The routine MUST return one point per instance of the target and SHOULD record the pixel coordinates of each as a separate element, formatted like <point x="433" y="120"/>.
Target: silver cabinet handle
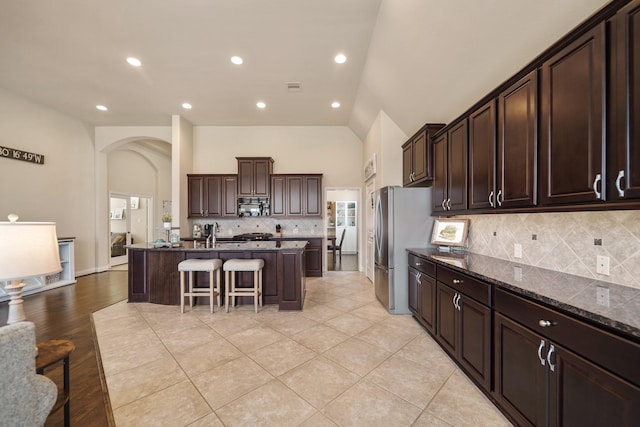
<point x="498" y="199"/>
<point x="454" y="300"/>
<point x="544" y="323"/>
<point x="457" y="281"/>
<point x="443" y="206"/>
<point x="418" y="264"/>
<point x="551" y="365"/>
<point x="595" y="185"/>
<point x="457" y="301"/>
<point x="448" y="204"/>
<point x="618" y="180"/>
<point x="418" y="277"/>
<point x="491" y="199"/>
<point x="540" y="352"/>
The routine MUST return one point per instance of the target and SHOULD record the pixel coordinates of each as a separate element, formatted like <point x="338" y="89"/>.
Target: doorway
<point x="129" y="222"/>
<point x="343" y="228"/>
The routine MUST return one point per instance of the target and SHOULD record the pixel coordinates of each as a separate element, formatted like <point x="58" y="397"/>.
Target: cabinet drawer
<point x="612" y="352"/>
<point x="422" y="265"/>
<point x="469" y="286"/>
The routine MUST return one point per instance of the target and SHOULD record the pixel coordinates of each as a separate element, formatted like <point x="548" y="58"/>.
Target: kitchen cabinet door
<point x="417" y="157"/>
<point x="447" y="318"/>
<point x="440" y="177"/>
<point x="457" y="167"/>
<point x="229" y="196"/>
<point x="213" y="196"/>
<point x="427" y="302"/>
<point x="520" y="385"/>
<point x="516" y="184"/>
<point x="482" y="157"/>
<point x="474" y="348"/>
<point x="407" y="164"/>
<point x="278" y="195"/>
<point x="583" y="394"/>
<point x="294" y="195"/>
<point x="312" y="195"/>
<point x="195" y="185"/>
<point x="413" y="291"/>
<point x="624" y="177"/>
<point x="572" y="122"/>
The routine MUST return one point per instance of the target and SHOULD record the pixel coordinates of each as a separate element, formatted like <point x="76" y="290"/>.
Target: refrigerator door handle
<point x="379" y="226"/>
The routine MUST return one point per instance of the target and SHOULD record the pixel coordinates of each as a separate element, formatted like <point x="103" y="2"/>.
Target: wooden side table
<point x="50" y="352"/>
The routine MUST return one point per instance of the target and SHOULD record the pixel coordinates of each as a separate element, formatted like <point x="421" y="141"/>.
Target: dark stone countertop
<point x="269" y="245"/>
<point x="572" y="294"/>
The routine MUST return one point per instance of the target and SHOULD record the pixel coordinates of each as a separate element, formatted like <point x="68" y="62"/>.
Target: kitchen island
<point x="154" y="276"/>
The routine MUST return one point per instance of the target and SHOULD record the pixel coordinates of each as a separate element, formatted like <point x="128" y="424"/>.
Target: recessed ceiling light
<point x="340" y="58"/>
<point x="261" y="104"/>
<point x="101" y="107"/>
<point x="187" y="106"/>
<point x="134" y="61"/>
<point x="237" y="60"/>
<point x="335" y="104"/>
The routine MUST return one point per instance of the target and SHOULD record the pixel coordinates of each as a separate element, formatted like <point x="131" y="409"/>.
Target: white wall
<point x="61" y="190"/>
<point x="334" y="151"/>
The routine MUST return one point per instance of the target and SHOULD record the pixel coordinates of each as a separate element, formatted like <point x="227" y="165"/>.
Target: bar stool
<point x="193" y="265"/>
<point x="234" y="265"/>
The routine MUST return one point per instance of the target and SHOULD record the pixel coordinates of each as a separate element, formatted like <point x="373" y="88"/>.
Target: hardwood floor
<point x="64" y="313"/>
<point x="348" y="263"/>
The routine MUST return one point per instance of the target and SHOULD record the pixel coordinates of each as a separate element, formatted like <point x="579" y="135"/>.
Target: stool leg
<point x="182" y="292"/>
<point x="256" y="285"/>
<point x="218" y="286"/>
<point x="233" y="289"/>
<point x="226" y="291"/>
<point x="211" y="291"/>
<point x="191" y="289"/>
<point x="260" y="285"/>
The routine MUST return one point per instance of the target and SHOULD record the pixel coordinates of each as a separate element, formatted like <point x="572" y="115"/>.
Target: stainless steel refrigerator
<point x="402" y="219"/>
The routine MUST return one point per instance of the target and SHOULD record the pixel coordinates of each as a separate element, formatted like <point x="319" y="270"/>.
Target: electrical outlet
<point x="602" y="265"/>
<point x="602" y="296"/>
<point x="517" y="273"/>
<point x="517" y="250"/>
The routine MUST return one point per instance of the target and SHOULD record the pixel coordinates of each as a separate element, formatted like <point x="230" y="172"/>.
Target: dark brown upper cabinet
<point x="212" y="196"/>
<point x="482" y="157"/>
<point x="516" y="179"/>
<point x="417" y="152"/>
<point x="624" y="176"/>
<point x="450" y="167"/>
<point x="254" y="176"/>
<point x="296" y="195"/>
<point x="573" y="113"/>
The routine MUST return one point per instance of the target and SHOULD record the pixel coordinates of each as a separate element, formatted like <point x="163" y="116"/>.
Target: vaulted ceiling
<point x="418" y="60"/>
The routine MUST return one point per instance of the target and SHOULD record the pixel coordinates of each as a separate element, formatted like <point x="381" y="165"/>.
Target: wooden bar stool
<point x="193" y="265"/>
<point x="230" y="268"/>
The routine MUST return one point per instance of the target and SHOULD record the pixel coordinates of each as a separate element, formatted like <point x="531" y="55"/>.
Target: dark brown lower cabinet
<point x="422" y="298"/>
<point x="313" y="257"/>
<point x="540" y="382"/>
<point x="463" y="329"/>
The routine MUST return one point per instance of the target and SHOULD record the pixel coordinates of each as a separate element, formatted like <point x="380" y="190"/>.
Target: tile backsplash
<point x="231" y="227"/>
<point x="564" y="242"/>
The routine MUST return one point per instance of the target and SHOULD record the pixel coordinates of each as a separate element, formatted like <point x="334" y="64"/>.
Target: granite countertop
<point x="230" y="246"/>
<point x="572" y="294"/>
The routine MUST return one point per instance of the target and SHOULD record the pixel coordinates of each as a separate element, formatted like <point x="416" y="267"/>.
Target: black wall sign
<point x="12" y="153"/>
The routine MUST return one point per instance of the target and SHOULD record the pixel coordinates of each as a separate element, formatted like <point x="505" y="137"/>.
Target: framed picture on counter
<point x="450" y="232"/>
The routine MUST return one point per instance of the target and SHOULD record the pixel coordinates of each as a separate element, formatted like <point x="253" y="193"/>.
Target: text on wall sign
<point x="12" y="153"/>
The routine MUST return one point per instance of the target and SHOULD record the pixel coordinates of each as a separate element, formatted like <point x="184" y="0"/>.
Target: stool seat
<point x="193" y="265"/>
<point x="230" y="268"/>
<point x="197" y="264"/>
<point x="243" y="265"/>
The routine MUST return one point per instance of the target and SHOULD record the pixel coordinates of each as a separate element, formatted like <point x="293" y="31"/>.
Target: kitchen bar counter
<point x="580" y="296"/>
<point x="154" y="276"/>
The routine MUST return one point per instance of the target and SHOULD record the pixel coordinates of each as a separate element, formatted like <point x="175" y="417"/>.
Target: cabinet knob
<point x="545" y="323"/>
<point x="457" y="281"/>
<point x="418" y="264"/>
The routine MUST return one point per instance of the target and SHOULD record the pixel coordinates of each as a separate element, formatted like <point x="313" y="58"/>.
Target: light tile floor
<point x="342" y="361"/>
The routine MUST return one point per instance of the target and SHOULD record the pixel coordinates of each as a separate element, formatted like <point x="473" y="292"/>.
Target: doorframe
<point x="359" y="241"/>
<point x="113" y="261"/>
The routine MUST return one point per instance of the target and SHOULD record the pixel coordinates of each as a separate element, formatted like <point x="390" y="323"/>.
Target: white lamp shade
<point x="28" y="249"/>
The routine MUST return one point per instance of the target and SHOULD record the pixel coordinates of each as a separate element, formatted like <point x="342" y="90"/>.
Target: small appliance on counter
<point x="208" y="228"/>
<point x="197" y="230"/>
<point x="278" y="230"/>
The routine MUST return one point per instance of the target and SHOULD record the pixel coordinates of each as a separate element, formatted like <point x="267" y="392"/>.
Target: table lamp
<point x="27" y="249"/>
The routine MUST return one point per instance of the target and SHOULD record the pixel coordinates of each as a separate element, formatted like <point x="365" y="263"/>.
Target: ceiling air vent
<point x="294" y="86"/>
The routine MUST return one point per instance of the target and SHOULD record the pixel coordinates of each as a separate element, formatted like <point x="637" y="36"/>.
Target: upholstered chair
<point x="26" y="398"/>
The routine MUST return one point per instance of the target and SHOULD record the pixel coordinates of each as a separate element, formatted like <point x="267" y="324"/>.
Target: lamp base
<point x="16" y="308"/>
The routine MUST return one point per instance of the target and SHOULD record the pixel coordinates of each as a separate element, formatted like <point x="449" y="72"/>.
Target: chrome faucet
<point x="210" y="241"/>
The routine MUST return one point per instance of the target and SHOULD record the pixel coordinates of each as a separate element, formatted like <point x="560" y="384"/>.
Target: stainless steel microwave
<point x="253" y="206"/>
